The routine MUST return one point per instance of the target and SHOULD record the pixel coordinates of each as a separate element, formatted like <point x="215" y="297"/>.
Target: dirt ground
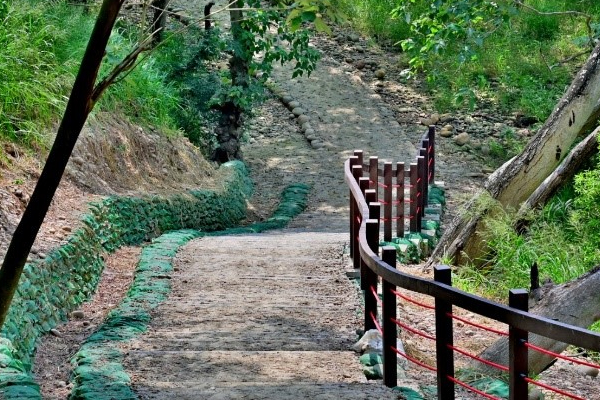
<point x="243" y="347"/>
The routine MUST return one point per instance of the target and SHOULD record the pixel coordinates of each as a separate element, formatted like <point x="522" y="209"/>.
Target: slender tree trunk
<point x="159" y="22"/>
<point x="78" y="108"/>
<point x="576" y="114"/>
<point x="230" y="122"/>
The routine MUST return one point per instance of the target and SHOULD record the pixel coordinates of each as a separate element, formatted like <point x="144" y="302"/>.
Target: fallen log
<point x="575" y="303"/>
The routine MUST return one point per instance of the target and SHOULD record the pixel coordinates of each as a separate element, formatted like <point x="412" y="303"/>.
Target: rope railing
<point x="472" y="389"/>
<point x="552" y="389"/>
<point x="378" y="267"/>
<point x="567" y="358"/>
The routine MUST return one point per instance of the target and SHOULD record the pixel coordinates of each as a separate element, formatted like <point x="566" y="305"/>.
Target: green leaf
<point x="321" y="26"/>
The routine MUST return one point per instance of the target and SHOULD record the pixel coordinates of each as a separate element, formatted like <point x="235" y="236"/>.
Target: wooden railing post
<point x="387" y="202"/>
<point x="414" y="176"/>
<point x="400" y="200"/>
<point x="357" y="171"/>
<point x="431" y="153"/>
<point x="353" y="209"/>
<point x="360" y="155"/>
<point x="425" y="177"/>
<point x="374" y="213"/>
<point x="444" y="337"/>
<point x="421" y="195"/>
<point x="388" y="317"/>
<point x="517" y="351"/>
<point x="369" y="278"/>
<point x="373" y="174"/>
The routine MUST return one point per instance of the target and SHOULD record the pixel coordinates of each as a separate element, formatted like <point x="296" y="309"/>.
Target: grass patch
<point x="43" y="43"/>
<point x="516" y="64"/>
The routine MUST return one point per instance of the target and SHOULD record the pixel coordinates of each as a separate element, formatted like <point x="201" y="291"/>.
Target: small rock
<point x="405" y="109"/>
<point x="405" y="74"/>
<point x="535" y="394"/>
<point x="293" y="104"/>
<point x="317" y="144"/>
<point x="485" y="150"/>
<point x="287" y="99"/>
<point x="305" y="127"/>
<point x="309" y="132"/>
<point x="353" y="37"/>
<point x="462" y="138"/>
<point x="360" y="64"/>
<point x="79" y="314"/>
<point x="446" y="118"/>
<point x="432" y="120"/>
<point x="444" y="132"/>
<point x="310" y="138"/>
<point x="86" y="323"/>
<point x="61" y="384"/>
<point x="66" y="228"/>
<point x="349" y="60"/>
<point x="487" y="170"/>
<point x="303" y="118"/>
<point x="380" y="74"/>
<point x="55" y="332"/>
<point x="588" y="371"/>
<point x="298" y="111"/>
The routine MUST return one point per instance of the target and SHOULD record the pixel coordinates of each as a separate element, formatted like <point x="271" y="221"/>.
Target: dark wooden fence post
<point x="421" y="183"/>
<point x="353" y="209"/>
<point x="431" y="153"/>
<point x="374" y="214"/>
<point x="400" y="200"/>
<point x="444" y="338"/>
<point x="360" y="155"/>
<point x="357" y="171"/>
<point x="387" y="202"/>
<point x="388" y="317"/>
<point x="517" y="351"/>
<point x="369" y="279"/>
<point x="425" y="177"/>
<point x="414" y="176"/>
<point x="373" y="173"/>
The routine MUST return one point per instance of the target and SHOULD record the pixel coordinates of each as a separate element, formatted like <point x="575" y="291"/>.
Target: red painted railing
<point x="379" y="265"/>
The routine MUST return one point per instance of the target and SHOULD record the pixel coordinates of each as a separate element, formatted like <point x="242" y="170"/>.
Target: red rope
<point x="358" y="219"/>
<point x="418" y="179"/>
<point x="415" y="331"/>
<point x="374" y="291"/>
<point x="391" y="219"/>
<point x="491" y="364"/>
<point x="476" y="325"/>
<point x="414" y="360"/>
<point x="555" y="390"/>
<point x="412" y="301"/>
<point x="397" y="186"/>
<point x="471" y="388"/>
<point x="576" y="361"/>
<point x="376" y="323"/>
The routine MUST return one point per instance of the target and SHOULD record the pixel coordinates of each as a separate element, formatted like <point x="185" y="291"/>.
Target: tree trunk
<point x="565" y="171"/>
<point x="228" y="130"/>
<point x="576" y="113"/>
<point x="78" y="108"/>
<point x="575" y="303"/>
<point x="159" y="22"/>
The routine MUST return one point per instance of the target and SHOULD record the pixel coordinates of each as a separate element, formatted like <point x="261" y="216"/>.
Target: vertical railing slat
<point x="388" y="317"/>
<point x="431" y="153"/>
<point x="355" y="223"/>
<point x="373" y="164"/>
<point x="413" y="196"/>
<point x="369" y="278"/>
<point x="425" y="177"/>
<point x="517" y="351"/>
<point x="444" y="337"/>
<point x="387" y="202"/>
<point x="353" y="209"/>
<point x="400" y="200"/>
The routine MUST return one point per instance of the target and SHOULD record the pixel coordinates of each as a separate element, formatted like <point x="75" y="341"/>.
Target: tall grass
<point x="42" y="44"/>
<point x="518" y="67"/>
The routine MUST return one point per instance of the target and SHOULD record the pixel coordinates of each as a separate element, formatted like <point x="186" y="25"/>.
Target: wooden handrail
<point x="517" y="319"/>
